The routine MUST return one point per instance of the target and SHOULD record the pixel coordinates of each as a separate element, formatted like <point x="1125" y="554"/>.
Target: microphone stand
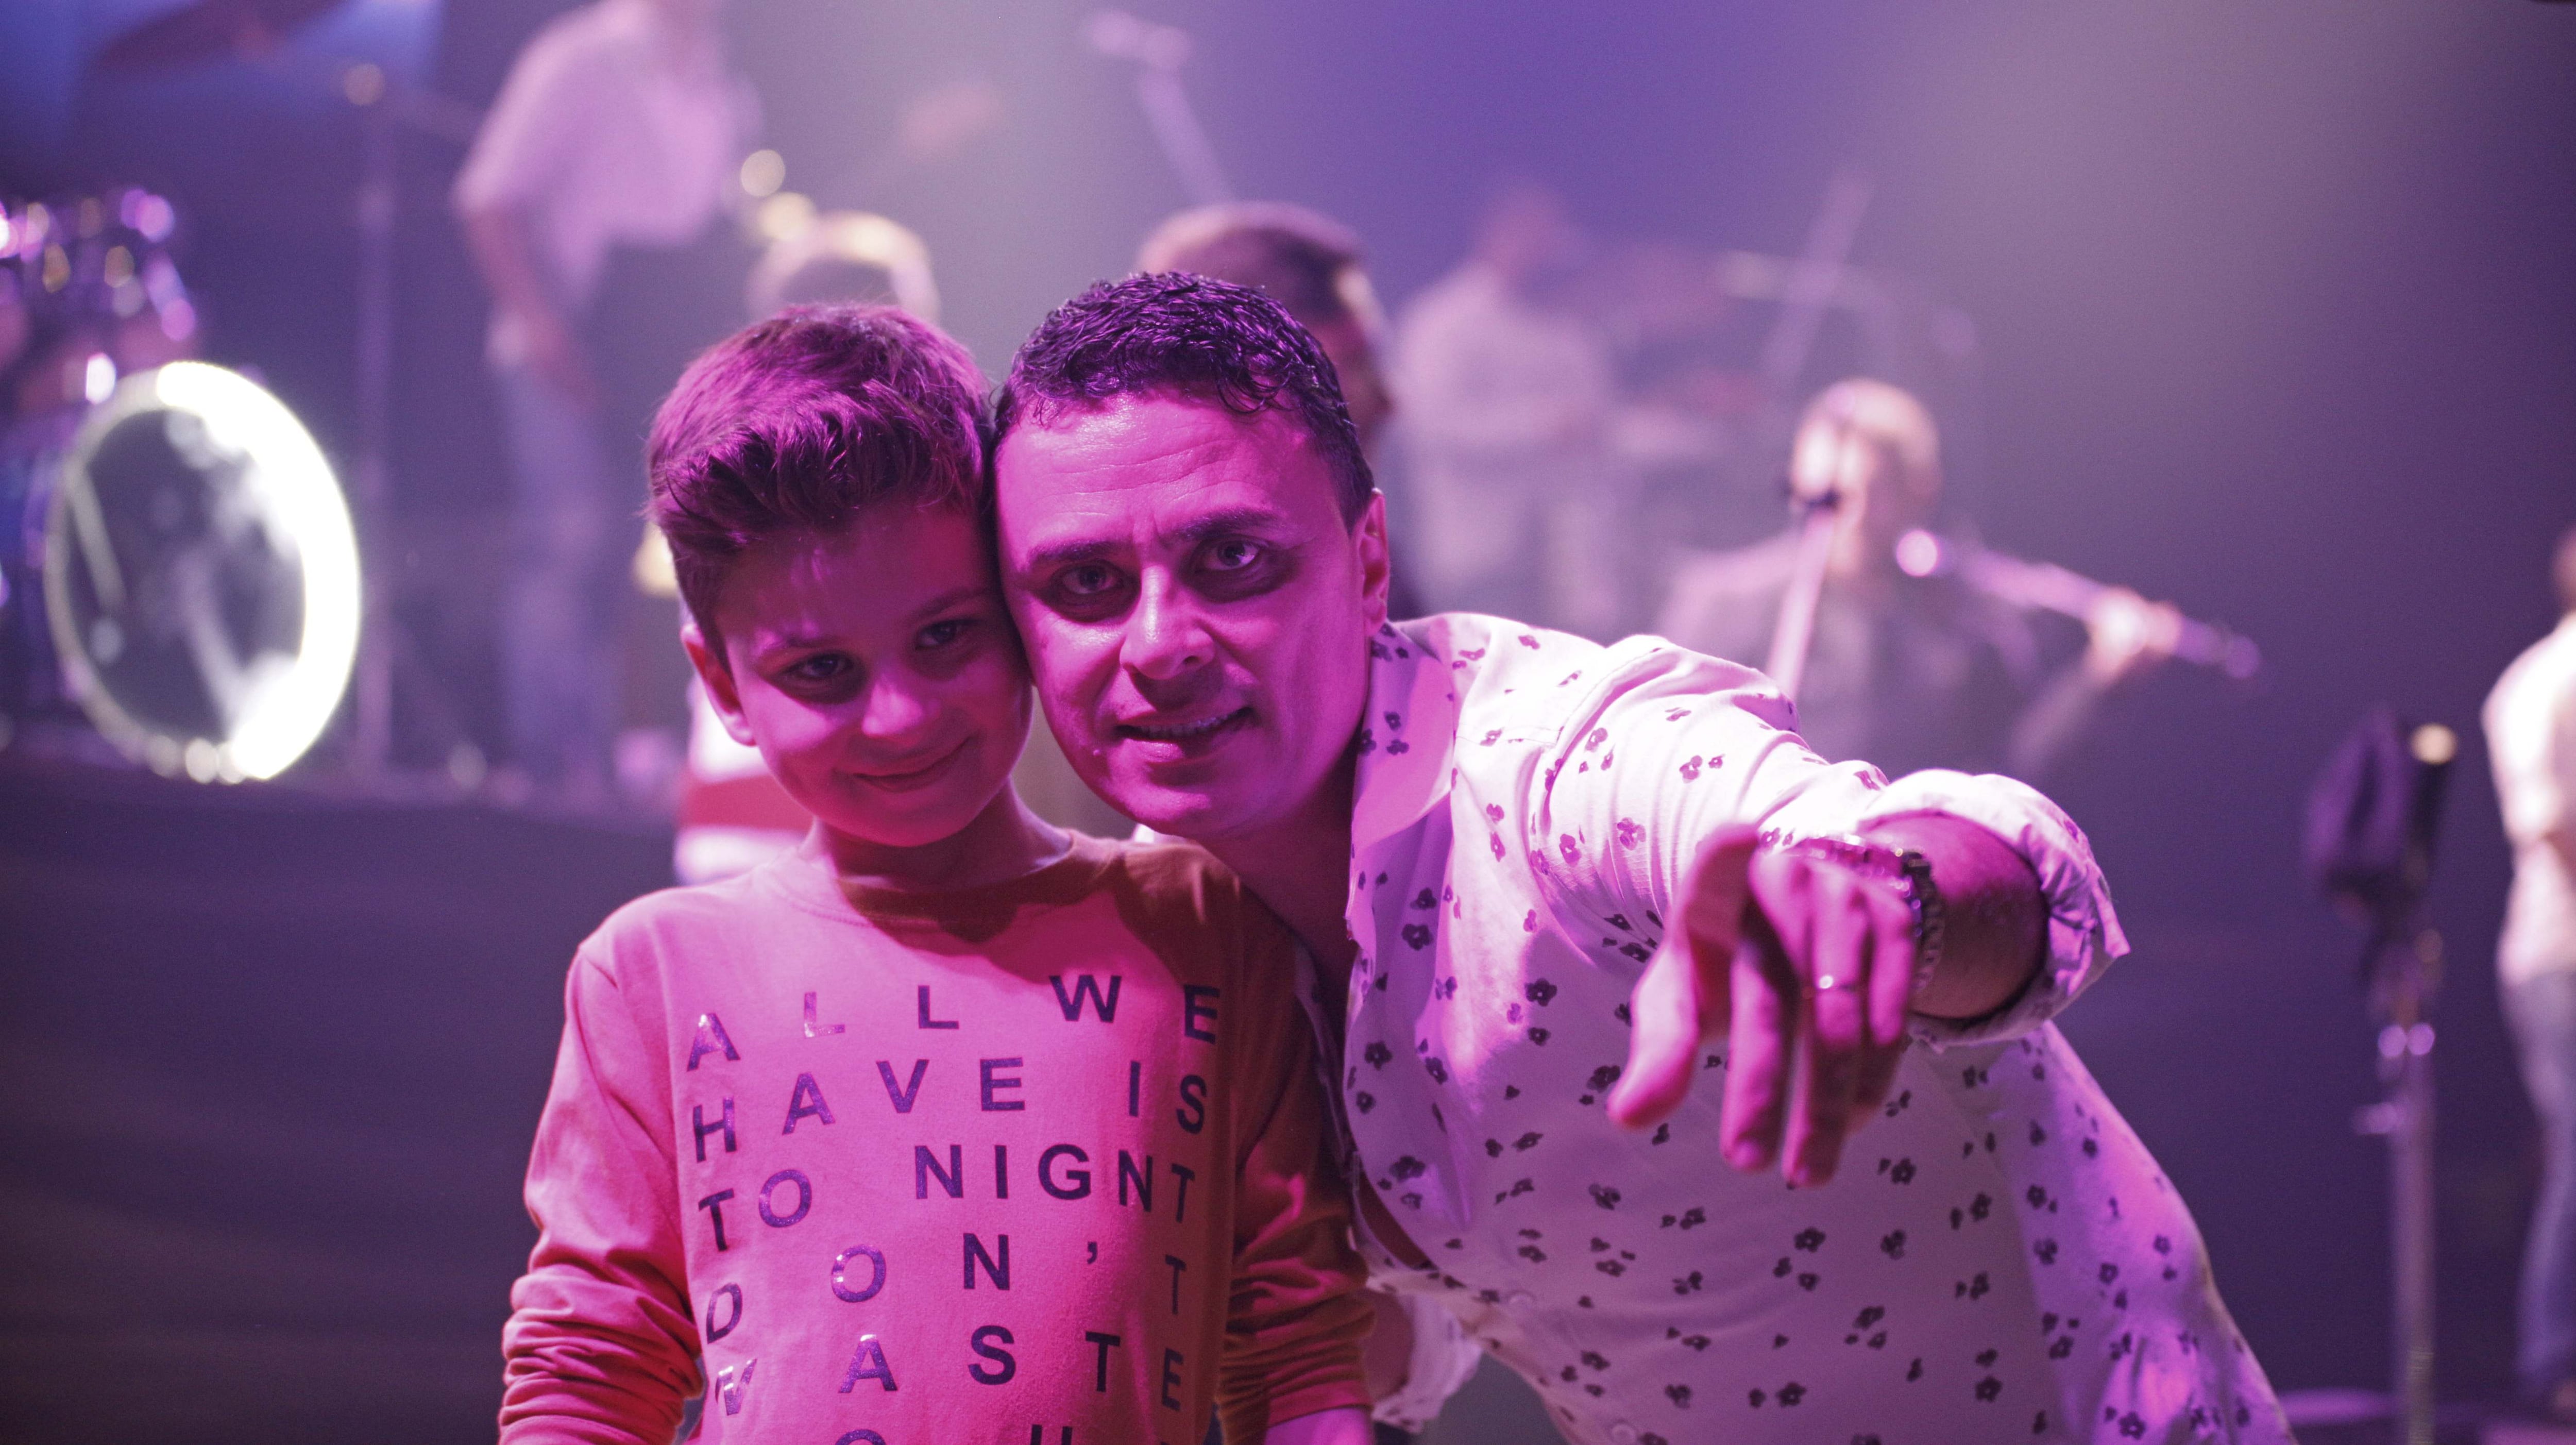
<point x="1796" y="628"/>
<point x="2372" y="820"/>
<point x="2404" y="961"/>
<point x="383" y="104"/>
<point x="1159" y="51"/>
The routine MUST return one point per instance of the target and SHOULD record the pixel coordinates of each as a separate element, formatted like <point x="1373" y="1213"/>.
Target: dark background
<point x="2277" y="320"/>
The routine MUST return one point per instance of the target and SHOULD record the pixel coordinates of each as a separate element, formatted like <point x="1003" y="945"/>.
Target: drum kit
<point x="180" y="566"/>
<point x="178" y="570"/>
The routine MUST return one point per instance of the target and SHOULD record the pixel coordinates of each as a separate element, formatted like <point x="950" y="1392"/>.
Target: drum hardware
<point x="208" y="30"/>
<point x="1159" y="51"/>
<point x="253" y="31"/>
<point x="201" y="577"/>
<point x="2373" y="816"/>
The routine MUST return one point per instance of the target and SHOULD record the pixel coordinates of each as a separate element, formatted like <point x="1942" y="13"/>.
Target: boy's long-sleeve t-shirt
<point x="1043" y="1161"/>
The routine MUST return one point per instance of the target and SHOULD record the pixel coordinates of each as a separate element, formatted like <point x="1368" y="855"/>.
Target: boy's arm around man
<point x="1295" y="1315"/>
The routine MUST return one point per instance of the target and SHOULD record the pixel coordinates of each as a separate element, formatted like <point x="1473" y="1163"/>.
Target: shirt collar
<point x="1408" y="738"/>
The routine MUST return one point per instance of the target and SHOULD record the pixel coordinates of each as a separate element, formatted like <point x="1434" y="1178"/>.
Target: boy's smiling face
<point x="876" y="671"/>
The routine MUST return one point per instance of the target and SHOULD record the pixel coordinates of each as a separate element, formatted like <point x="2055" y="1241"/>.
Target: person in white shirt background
<point x="621" y="126"/>
<point x="1540" y="878"/>
<point x="1509" y="396"/>
<point x="2531" y="740"/>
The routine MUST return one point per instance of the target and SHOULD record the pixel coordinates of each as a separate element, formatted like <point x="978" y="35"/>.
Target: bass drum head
<point x="201" y="576"/>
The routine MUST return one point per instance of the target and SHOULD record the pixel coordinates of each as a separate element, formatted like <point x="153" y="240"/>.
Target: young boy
<point x="949" y="1126"/>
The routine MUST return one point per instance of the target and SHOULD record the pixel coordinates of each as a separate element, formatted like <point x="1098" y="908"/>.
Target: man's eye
<point x="1091" y="579"/>
<point x="1234" y="556"/>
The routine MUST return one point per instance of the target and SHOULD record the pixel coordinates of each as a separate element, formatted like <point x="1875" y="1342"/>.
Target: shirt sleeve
<point x="2562" y="760"/>
<point x="2531" y="738"/>
<point x="601" y="1347"/>
<point x="528" y="138"/>
<point x="1666" y="747"/>
<point x="1295" y="1316"/>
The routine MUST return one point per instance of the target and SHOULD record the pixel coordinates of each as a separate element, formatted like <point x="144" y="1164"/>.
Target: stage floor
<point x="275" y="1061"/>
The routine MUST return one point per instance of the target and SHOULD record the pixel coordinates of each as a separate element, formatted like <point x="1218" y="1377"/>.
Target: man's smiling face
<point x="1196" y="611"/>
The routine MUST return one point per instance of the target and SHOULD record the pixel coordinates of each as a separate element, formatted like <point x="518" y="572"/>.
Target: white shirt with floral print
<point x="1999" y="1258"/>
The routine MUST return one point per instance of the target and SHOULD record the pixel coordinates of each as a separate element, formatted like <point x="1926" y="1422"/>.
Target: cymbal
<point x="207" y="30"/>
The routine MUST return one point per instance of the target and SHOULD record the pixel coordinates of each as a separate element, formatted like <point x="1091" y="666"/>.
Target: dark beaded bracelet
<point x="1905" y="867"/>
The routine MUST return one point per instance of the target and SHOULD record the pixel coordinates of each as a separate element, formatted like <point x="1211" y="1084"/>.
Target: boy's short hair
<point x="1210" y="341"/>
<point x="796" y="423"/>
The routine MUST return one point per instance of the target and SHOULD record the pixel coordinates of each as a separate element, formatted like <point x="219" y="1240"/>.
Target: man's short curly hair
<point x="796" y="423"/>
<point x="1204" y="340"/>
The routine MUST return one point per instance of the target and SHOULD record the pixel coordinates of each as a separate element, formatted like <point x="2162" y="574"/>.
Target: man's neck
<point x="1300" y="866"/>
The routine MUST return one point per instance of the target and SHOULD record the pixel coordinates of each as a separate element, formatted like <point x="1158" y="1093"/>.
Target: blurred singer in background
<point x="2531" y="739"/>
<point x="1909" y="672"/>
<point x="620" y="128"/>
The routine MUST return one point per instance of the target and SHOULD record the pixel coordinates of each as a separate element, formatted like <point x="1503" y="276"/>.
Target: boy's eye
<point x="943" y="634"/>
<point x="821" y="667"/>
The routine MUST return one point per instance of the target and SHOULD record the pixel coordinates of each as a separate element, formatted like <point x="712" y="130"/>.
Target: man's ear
<point x="716" y="676"/>
<point x="1376" y="574"/>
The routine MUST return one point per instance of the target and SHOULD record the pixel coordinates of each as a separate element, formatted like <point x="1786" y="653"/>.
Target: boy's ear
<point x="716" y="676"/>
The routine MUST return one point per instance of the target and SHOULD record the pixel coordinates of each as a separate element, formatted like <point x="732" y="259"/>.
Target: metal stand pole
<point x="374" y="683"/>
<point x="1796" y="627"/>
<point x="1159" y="52"/>
<point x="2407" y="972"/>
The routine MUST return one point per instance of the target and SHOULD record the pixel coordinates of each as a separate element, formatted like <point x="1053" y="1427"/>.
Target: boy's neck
<point x="1005" y="841"/>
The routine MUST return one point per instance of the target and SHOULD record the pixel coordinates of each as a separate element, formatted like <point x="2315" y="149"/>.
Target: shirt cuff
<point x="2083" y="933"/>
<point x="1442" y="1361"/>
<point x="1249" y="1421"/>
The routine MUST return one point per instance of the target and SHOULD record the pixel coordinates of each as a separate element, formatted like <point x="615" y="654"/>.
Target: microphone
<point x="1122" y="36"/>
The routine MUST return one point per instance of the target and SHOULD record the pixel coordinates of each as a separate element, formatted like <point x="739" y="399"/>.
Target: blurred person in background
<point x="1692" y="428"/>
<point x="2531" y="740"/>
<point x="1312" y="266"/>
<point x="1509" y="395"/>
<point x="619" y="133"/>
<point x="1307" y="262"/>
<point x="845" y="257"/>
<point x="1908" y="672"/>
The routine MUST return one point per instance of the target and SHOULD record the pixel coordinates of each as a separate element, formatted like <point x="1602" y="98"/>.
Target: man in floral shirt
<point x="1541" y="878"/>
